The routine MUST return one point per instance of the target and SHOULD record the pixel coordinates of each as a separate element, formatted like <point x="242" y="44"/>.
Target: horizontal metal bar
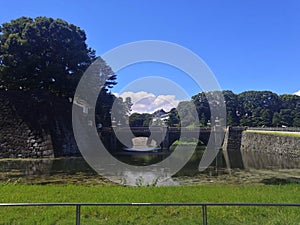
<point x="151" y="204"/>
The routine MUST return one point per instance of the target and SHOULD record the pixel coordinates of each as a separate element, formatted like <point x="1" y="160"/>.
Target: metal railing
<point x="202" y="205"/>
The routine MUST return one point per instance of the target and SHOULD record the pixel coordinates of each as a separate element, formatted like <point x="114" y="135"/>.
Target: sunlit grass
<point x="278" y="133"/>
<point x="149" y="215"/>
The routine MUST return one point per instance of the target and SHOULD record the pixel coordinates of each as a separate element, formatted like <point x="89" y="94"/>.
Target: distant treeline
<point x="250" y="108"/>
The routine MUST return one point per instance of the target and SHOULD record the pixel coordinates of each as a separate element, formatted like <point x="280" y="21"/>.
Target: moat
<point x="261" y="169"/>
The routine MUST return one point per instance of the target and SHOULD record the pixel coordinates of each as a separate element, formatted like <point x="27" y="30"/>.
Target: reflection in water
<point x="34" y="170"/>
<point x="143" y="144"/>
<point x="259" y="160"/>
<point x="77" y="171"/>
<point x="146" y="179"/>
<point x="26" y="167"/>
<point x="56" y="170"/>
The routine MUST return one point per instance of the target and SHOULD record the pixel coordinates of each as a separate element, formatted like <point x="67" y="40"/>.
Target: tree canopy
<point x="249" y="108"/>
<point x="42" y="54"/>
<point x="51" y="55"/>
<point x="254" y="108"/>
<point x="140" y="120"/>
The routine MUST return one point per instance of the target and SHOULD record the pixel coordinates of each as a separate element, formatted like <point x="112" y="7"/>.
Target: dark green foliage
<point x="187" y="113"/>
<point x="140" y="120"/>
<point x="202" y="106"/>
<point x="174" y="119"/>
<point x="232" y="108"/>
<point x="253" y="108"/>
<point x="44" y="54"/>
<point x="258" y="107"/>
<point x="51" y="55"/>
<point x="250" y="108"/>
<point x="121" y="110"/>
<point x="290" y="110"/>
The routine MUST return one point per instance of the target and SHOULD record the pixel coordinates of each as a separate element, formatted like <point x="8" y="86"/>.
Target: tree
<point x="42" y="54"/>
<point x="202" y="106"/>
<point x="203" y="122"/>
<point x="140" y="120"/>
<point x="290" y="110"/>
<point x="173" y="120"/>
<point x="257" y="107"/>
<point x="276" y="121"/>
<point x="250" y="108"/>
<point x="266" y="117"/>
<point x="187" y="114"/>
<point x="51" y="55"/>
<point x="286" y="117"/>
<point x="121" y="109"/>
<point x="296" y="121"/>
<point x="232" y="108"/>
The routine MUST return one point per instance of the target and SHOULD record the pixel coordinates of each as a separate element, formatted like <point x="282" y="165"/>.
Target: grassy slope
<point x="149" y="215"/>
<point x="278" y="133"/>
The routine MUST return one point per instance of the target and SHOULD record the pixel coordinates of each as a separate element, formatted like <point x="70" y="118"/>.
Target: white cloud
<point x="297" y="93"/>
<point x="144" y="102"/>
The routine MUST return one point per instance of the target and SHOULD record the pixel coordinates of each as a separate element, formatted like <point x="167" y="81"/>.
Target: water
<point x="259" y="169"/>
<point x="48" y="171"/>
<point x="259" y="160"/>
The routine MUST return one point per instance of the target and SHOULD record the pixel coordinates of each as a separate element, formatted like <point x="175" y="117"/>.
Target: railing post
<point x="77" y="214"/>
<point x="204" y="214"/>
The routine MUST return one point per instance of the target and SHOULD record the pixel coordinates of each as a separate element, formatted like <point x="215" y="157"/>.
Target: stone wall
<point x="271" y="144"/>
<point x="34" y="124"/>
<point x="264" y="151"/>
<point x="232" y="147"/>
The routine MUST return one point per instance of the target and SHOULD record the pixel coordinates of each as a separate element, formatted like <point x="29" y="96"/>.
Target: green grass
<point x="149" y="215"/>
<point x="278" y="133"/>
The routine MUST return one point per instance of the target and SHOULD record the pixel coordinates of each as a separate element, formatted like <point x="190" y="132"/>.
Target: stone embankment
<point x="35" y="125"/>
<point x="279" y="143"/>
<point x="264" y="149"/>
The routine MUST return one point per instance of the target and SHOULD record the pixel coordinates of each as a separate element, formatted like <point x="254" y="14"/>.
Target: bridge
<point x="237" y="140"/>
<point x="164" y="136"/>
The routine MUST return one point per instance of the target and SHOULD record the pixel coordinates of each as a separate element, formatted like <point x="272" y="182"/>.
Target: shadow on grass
<point x="281" y="181"/>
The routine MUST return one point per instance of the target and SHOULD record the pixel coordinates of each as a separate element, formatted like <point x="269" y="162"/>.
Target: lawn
<point x="150" y="215"/>
<point x="278" y="133"/>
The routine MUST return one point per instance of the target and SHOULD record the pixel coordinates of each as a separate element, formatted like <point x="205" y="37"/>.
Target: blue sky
<point x="249" y="45"/>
